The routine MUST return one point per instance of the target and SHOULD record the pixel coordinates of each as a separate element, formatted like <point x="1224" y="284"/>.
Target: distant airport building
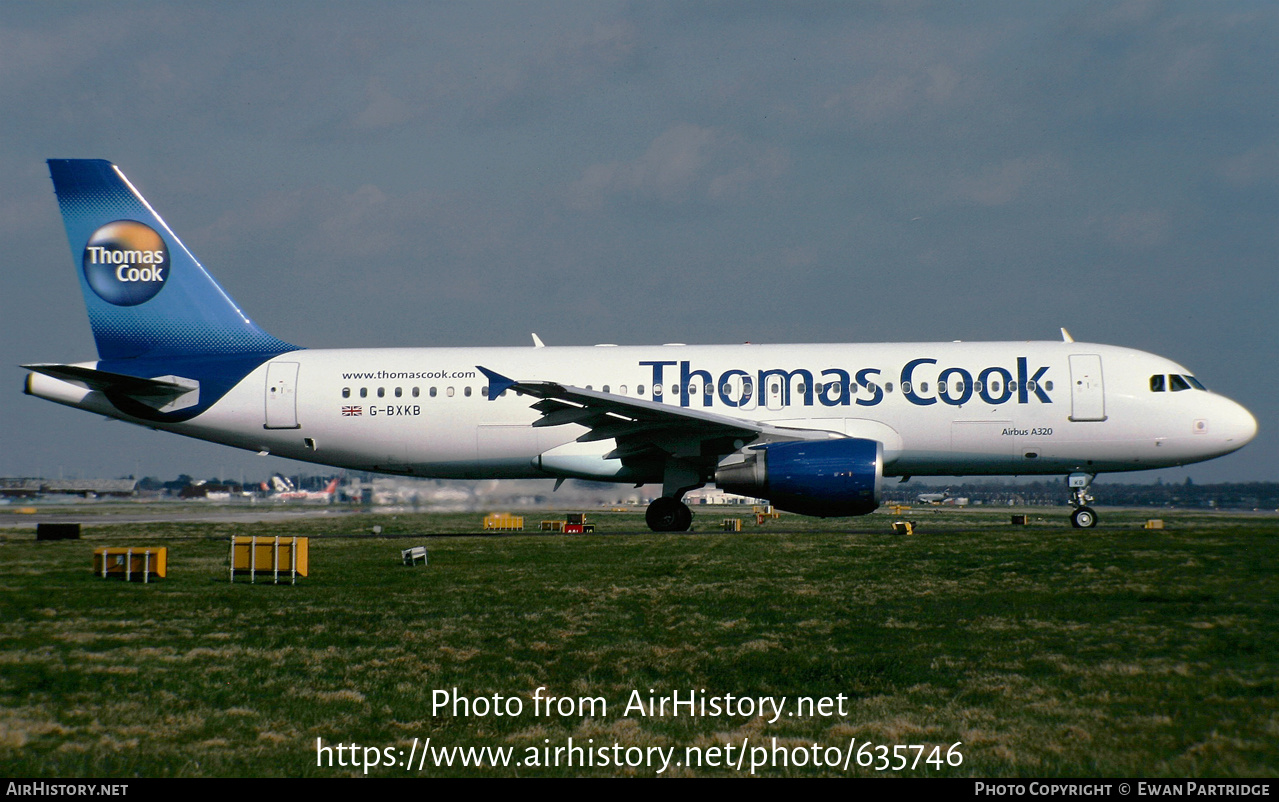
<point x="89" y="488"/>
<point x="711" y="494"/>
<point x="20" y="488"/>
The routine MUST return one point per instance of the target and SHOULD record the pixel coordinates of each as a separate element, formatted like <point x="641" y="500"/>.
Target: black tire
<point x="1083" y="518"/>
<point x="685" y="518"/>
<point x="668" y="515"/>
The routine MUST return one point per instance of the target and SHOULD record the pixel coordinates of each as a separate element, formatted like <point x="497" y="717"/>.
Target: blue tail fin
<point x="147" y="295"/>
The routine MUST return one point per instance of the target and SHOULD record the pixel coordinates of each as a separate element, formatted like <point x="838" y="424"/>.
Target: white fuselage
<point x="938" y="408"/>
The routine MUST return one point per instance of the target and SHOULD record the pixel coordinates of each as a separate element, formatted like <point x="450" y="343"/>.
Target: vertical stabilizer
<point x="147" y="295"/>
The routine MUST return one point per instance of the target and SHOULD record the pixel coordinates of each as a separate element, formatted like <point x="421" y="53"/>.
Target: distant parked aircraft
<point x="933" y="498"/>
<point x="283" y="489"/>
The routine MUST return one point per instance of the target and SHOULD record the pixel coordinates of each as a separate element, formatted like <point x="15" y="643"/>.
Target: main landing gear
<point x="668" y="514"/>
<point x="1083" y="516"/>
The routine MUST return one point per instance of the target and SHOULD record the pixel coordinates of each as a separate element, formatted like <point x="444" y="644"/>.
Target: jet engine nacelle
<point x="825" y="478"/>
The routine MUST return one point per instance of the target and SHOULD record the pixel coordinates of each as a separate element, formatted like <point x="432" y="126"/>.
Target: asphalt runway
<point x="12" y="519"/>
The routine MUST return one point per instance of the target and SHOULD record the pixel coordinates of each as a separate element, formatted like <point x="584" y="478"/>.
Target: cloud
<point x="1139" y="229"/>
<point x="1257" y="167"/>
<point x="685" y="164"/>
<point x="576" y="63"/>
<point x="1008" y="180"/>
<point x="382" y="109"/>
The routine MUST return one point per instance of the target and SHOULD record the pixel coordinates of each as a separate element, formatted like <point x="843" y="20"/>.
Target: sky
<point x="362" y="174"/>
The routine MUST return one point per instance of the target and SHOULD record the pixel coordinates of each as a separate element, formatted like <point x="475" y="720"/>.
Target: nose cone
<point x="1247" y="426"/>
<point x="1237" y="426"/>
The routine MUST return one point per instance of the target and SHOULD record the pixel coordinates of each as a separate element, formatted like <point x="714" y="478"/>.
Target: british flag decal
<point x="352" y="411"/>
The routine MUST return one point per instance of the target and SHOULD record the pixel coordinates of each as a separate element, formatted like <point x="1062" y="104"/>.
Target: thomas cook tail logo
<point x="126" y="263"/>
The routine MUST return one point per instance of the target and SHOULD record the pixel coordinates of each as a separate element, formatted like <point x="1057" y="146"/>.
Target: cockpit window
<point x="1157" y="383"/>
<point x="1177" y="383"/>
<point x="1195" y="383"/>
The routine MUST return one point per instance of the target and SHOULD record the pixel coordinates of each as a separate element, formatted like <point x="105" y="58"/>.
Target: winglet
<point x="1065" y="336"/>
<point x="498" y="383"/>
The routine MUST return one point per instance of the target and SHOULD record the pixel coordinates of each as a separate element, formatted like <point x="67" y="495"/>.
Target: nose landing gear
<point x="1083" y="516"/>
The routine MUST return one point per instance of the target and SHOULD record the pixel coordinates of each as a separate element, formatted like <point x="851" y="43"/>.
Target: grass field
<point x="1042" y="650"/>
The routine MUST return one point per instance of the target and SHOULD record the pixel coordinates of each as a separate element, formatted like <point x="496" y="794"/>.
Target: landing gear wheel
<point x="1083" y="518"/>
<point x="667" y="514"/>
<point x="685" y="518"/>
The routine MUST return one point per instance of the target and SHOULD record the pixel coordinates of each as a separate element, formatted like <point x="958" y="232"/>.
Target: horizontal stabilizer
<point x="164" y="393"/>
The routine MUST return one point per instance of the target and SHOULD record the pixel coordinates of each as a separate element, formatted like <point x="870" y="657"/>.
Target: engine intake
<point x="825" y="478"/>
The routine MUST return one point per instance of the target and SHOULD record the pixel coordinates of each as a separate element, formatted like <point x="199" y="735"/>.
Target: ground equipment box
<point x="130" y="564"/>
<point x="57" y="531"/>
<point x="503" y="522"/>
<point x="278" y="557"/>
<point x="575" y="524"/>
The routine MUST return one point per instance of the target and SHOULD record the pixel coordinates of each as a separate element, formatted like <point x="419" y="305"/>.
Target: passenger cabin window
<point x="449" y="392"/>
<point x="381" y="392"/>
<point x="364" y="392"/>
<point x="433" y="391"/>
<point x="398" y="392"/>
<point x="1157" y="383"/>
<point x="346" y="392"/>
<point x="467" y="392"/>
<point x="416" y="392"/>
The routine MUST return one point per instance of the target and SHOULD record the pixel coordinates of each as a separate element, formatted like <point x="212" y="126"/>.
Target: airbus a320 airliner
<point x="814" y="429"/>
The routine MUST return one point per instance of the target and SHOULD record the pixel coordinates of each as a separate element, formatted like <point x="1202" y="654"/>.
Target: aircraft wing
<point x="643" y="427"/>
